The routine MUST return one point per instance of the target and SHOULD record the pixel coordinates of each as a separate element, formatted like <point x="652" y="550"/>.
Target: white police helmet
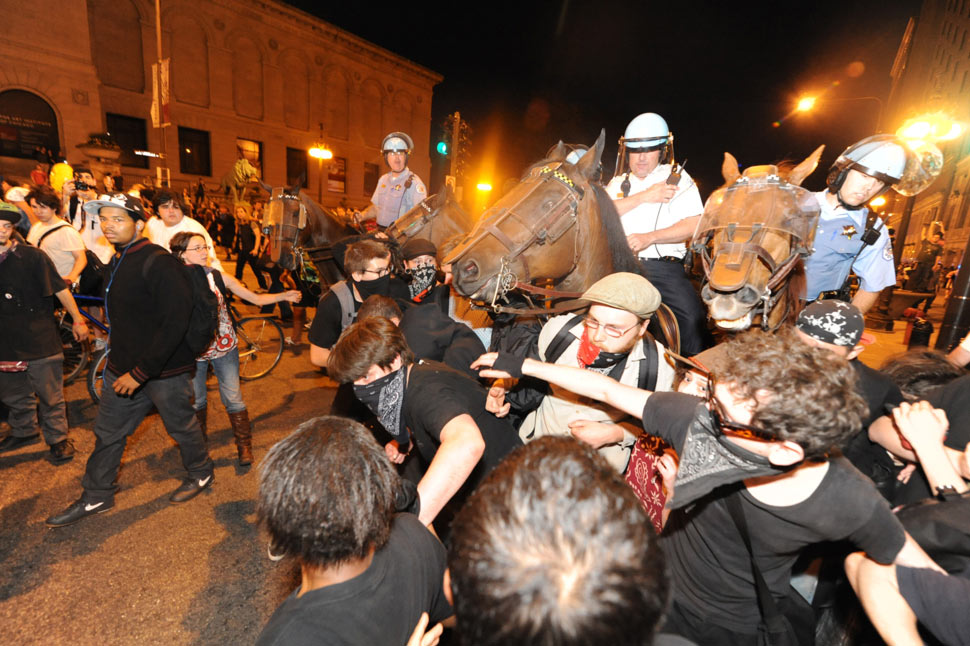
<point x="397" y="142"/>
<point x="647" y="131"/>
<point x="879" y="156"/>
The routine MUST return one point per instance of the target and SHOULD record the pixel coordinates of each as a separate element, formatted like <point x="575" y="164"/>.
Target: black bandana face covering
<point x="379" y="286"/>
<point x="385" y="398"/>
<point x="710" y="460"/>
<point x="422" y="279"/>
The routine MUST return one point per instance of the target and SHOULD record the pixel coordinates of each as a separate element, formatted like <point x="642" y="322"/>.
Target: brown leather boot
<point x="201" y="416"/>
<point x="243" y="433"/>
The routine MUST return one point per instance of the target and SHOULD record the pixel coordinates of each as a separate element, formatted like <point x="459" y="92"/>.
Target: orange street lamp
<point x="929" y="128"/>
<point x="484" y="187"/>
<point x="878" y="202"/>
<point x="319" y="151"/>
<point x="805" y="104"/>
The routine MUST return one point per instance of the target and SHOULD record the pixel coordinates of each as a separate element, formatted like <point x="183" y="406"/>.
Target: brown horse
<point x="438" y="218"/>
<point x="752" y="237"/>
<point x="300" y="230"/>
<point x="556" y="225"/>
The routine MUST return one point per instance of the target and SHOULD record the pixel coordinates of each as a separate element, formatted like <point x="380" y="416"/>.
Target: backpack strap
<point x="562" y="340"/>
<point x="346" y="299"/>
<point x="150" y="260"/>
<point x="649" y="365"/>
<point x="50" y="231"/>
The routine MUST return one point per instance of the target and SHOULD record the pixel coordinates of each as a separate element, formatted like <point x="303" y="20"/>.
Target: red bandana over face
<point x="587" y="351"/>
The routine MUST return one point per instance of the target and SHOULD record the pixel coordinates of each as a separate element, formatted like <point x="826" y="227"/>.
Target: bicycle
<point x="77" y="354"/>
<point x="261" y="341"/>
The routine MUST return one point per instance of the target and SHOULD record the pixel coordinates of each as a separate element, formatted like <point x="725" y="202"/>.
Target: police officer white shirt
<point x="838" y="238"/>
<point x="393" y="197"/>
<point x="652" y="216"/>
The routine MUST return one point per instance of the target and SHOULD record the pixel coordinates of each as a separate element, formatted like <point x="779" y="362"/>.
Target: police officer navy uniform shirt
<point x="652" y="216"/>
<point x="838" y="237"/>
<point x="393" y="198"/>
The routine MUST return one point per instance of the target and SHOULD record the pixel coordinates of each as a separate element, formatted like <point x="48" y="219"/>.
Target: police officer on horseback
<point x="848" y="237"/>
<point x="659" y="207"/>
<point x="399" y="190"/>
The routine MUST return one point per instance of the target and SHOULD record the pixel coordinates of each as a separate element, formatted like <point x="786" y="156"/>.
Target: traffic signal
<point x="442" y="148"/>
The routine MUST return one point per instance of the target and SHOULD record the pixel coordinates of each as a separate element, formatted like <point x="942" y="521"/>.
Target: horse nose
<point x="707" y="295"/>
<point x="748" y="295"/>
<point x="470" y="270"/>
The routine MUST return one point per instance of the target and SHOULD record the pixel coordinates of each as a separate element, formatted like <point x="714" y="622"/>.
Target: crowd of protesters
<point x="586" y="485"/>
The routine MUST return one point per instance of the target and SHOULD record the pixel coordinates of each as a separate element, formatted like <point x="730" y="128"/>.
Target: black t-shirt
<point x="435" y="395"/>
<point x="382" y="605"/>
<point x="328" y="321"/>
<point x="954" y="399"/>
<point x="432" y="334"/>
<point x="864" y="454"/>
<point x="28" y="282"/>
<point x="709" y="565"/>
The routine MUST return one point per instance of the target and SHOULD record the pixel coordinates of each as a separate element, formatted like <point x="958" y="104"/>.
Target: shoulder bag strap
<point x="562" y="340"/>
<point x="766" y="603"/>
<point x="50" y="231"/>
<point x="649" y="365"/>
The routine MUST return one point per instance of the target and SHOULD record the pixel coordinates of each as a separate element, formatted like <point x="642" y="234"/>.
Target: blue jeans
<point x="118" y="417"/>
<point x="226" y="368"/>
<point x="42" y="383"/>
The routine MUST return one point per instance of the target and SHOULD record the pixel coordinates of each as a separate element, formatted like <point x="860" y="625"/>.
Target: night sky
<point x="527" y="74"/>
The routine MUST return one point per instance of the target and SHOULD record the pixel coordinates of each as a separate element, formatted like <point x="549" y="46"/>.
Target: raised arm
<point x="629" y="399"/>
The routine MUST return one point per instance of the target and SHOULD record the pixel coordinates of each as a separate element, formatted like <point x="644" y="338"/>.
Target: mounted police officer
<point x="850" y="238"/>
<point x="659" y="206"/>
<point x="399" y="190"/>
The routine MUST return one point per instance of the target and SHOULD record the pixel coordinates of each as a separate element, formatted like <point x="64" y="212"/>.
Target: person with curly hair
<point x="756" y="454"/>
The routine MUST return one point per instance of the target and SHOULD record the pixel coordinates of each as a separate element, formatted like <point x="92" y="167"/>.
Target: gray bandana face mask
<point x="710" y="460"/>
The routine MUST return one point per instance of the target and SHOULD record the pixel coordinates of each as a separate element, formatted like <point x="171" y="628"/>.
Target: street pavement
<point x="149" y="572"/>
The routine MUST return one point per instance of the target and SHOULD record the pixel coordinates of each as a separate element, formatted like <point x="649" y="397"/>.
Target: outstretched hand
<point x="486" y="361"/>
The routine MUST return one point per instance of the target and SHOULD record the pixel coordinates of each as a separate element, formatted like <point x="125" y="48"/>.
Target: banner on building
<point x="161" y="98"/>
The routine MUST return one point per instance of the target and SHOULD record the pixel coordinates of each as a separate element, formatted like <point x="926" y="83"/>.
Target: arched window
<point x="27" y="124"/>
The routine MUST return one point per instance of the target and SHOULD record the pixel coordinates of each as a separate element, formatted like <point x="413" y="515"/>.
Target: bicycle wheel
<point x="76" y="353"/>
<point x="260" y="346"/>
<point x="96" y="375"/>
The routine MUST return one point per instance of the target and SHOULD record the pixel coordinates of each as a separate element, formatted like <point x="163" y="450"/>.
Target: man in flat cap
<point x="610" y="338"/>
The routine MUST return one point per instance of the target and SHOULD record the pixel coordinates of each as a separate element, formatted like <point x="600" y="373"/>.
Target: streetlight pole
<point x="320" y="152"/>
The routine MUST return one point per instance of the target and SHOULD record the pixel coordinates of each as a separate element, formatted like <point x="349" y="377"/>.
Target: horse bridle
<point x="427" y="215"/>
<point x="558" y="219"/>
<point x="779" y="270"/>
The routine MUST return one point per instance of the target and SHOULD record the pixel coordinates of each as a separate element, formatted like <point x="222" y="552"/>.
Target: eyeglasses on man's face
<point x="610" y="330"/>
<point x="380" y="273"/>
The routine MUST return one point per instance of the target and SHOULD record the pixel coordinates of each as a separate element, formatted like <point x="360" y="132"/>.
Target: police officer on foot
<point x="659" y="207"/>
<point x="399" y="190"/>
<point x="848" y="236"/>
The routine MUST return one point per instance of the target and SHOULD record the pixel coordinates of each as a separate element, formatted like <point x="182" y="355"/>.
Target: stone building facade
<point x="932" y="74"/>
<point x="253" y="78"/>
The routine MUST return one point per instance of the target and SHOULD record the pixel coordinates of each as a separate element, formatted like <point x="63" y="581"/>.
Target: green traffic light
<point x="442" y="147"/>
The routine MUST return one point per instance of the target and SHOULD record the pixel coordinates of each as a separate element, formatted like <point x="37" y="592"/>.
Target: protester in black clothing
<point x="31" y="350"/>
<point x="760" y="445"/>
<point x="440" y="410"/>
<point x="148" y="300"/>
<point x="836" y="327"/>
<point x="552" y="548"/>
<point x="425" y="277"/>
<point x="368" y="265"/>
<point x="249" y="242"/>
<point x="328" y="496"/>
<point x="227" y="229"/>
<point x="429" y="332"/>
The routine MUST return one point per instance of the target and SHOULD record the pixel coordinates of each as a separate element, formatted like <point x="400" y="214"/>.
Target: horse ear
<point x="729" y="169"/>
<point x="589" y="164"/>
<point x="295" y="189"/>
<point x="266" y="187"/>
<point x="803" y="170"/>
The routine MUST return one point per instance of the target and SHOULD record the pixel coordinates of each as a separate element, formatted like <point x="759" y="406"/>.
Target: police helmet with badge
<point x="646" y="132"/>
<point x="906" y="169"/>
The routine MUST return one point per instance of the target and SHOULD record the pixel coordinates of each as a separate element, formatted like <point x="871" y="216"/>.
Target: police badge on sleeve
<point x="887" y="251"/>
